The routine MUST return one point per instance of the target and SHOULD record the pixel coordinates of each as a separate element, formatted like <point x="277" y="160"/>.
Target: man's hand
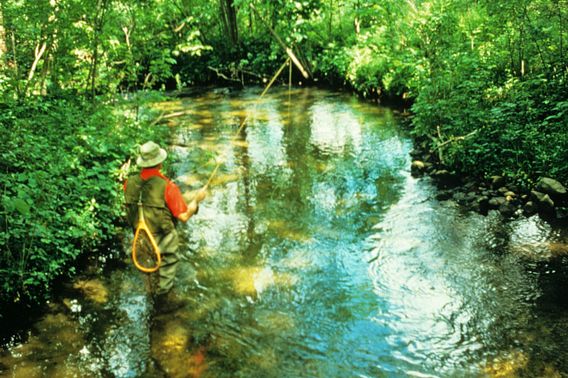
<point x="201" y="194"/>
<point x="193" y="205"/>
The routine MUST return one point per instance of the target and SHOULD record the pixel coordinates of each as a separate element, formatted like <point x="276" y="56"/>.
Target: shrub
<point x="60" y="197"/>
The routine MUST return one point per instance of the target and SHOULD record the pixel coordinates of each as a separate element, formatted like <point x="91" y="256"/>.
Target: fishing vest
<point x="156" y="212"/>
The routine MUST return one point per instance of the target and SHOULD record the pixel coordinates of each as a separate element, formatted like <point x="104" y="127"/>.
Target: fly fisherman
<point x="163" y="206"/>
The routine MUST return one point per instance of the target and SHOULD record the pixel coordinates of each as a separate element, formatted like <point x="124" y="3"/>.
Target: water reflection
<point x="316" y="255"/>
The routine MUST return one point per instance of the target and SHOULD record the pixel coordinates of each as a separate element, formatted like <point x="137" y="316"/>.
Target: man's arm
<point x="193" y="205"/>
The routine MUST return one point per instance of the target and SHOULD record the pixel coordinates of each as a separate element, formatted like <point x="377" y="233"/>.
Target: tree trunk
<point x="3" y="45"/>
<point x="357" y="20"/>
<point x="45" y="72"/>
<point x="229" y="17"/>
<point x="39" y="51"/>
<point x="251" y="29"/>
<point x="330" y="25"/>
<point x="15" y="65"/>
<point x="97" y="29"/>
<point x="561" y="30"/>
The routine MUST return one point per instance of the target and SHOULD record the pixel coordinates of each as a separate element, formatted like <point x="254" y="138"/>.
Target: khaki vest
<point x="156" y="213"/>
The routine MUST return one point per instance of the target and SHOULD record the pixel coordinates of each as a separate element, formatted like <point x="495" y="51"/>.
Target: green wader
<point x="159" y="220"/>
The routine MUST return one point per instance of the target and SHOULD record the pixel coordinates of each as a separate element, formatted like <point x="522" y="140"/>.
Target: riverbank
<point x="61" y="201"/>
<point x="547" y="197"/>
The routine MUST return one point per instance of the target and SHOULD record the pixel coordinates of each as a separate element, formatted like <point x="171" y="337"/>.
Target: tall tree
<point x="229" y="18"/>
<point x="98" y="23"/>
<point x="3" y="48"/>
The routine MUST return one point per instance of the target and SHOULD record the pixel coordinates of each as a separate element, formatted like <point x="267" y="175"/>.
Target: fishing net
<point x="145" y="255"/>
<point x="145" y="251"/>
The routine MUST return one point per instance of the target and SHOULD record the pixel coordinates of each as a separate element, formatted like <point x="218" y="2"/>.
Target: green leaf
<point x="22" y="206"/>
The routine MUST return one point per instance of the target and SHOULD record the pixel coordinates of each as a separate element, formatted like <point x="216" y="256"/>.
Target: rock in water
<point x="530" y="208"/>
<point x="551" y="187"/>
<point x="543" y="201"/>
<point x="417" y="168"/>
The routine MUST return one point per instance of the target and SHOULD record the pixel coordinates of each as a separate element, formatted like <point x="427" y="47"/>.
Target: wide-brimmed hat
<point x="150" y="155"/>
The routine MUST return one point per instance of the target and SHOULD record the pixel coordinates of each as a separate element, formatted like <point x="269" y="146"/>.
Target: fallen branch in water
<point x="163" y="115"/>
<point x="222" y="75"/>
<point x="158" y="119"/>
<point x="176" y="114"/>
<point x="250" y="73"/>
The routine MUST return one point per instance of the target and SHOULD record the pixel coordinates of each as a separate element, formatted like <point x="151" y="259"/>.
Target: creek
<point x="316" y="254"/>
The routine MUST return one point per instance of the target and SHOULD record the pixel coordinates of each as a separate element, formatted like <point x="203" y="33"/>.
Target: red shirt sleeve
<point x="174" y="199"/>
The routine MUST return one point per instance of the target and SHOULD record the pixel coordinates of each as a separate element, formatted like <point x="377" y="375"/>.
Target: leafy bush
<point x="60" y="196"/>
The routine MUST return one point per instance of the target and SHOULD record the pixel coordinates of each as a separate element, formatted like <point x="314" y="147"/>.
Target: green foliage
<point x="524" y="134"/>
<point x="60" y="194"/>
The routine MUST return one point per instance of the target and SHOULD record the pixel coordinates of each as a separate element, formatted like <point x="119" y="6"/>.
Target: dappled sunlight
<point x="190" y="180"/>
<point x="169" y="106"/>
<point x="212" y="145"/>
<point x="223" y="179"/>
<point x="93" y="290"/>
<point x="276" y="322"/>
<point x="296" y="259"/>
<point x="508" y="365"/>
<point x="198" y="123"/>
<point x="34" y="359"/>
<point x="240" y="143"/>
<point x="288" y="230"/>
<point x="253" y="280"/>
<point x="172" y="351"/>
<point x="237" y="114"/>
<point x="243" y="279"/>
<point x="266" y="359"/>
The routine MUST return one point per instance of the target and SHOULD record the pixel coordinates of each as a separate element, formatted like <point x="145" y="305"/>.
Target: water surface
<point x="316" y="254"/>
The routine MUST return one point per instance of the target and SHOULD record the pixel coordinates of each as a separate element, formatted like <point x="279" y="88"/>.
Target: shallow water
<point x="316" y="254"/>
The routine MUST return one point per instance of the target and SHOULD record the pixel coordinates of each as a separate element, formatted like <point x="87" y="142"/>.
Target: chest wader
<point x="149" y="215"/>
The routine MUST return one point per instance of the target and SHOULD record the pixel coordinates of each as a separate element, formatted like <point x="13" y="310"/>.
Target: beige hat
<point x="150" y="155"/>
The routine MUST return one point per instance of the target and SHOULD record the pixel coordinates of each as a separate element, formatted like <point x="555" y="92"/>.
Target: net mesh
<point x="145" y="254"/>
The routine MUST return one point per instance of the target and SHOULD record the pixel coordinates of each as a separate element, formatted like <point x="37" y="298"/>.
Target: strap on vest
<point x="140" y="204"/>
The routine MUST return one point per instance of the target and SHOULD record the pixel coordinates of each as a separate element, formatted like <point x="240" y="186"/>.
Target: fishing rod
<point x="142" y="229"/>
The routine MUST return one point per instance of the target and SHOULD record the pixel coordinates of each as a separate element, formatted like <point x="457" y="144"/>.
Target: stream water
<point x="316" y="254"/>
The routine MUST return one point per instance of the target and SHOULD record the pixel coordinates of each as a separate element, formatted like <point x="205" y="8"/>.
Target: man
<point x="163" y="206"/>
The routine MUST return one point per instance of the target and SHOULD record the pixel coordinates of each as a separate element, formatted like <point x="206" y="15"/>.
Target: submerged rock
<point x="530" y="208"/>
<point x="497" y="202"/>
<point x="93" y="290"/>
